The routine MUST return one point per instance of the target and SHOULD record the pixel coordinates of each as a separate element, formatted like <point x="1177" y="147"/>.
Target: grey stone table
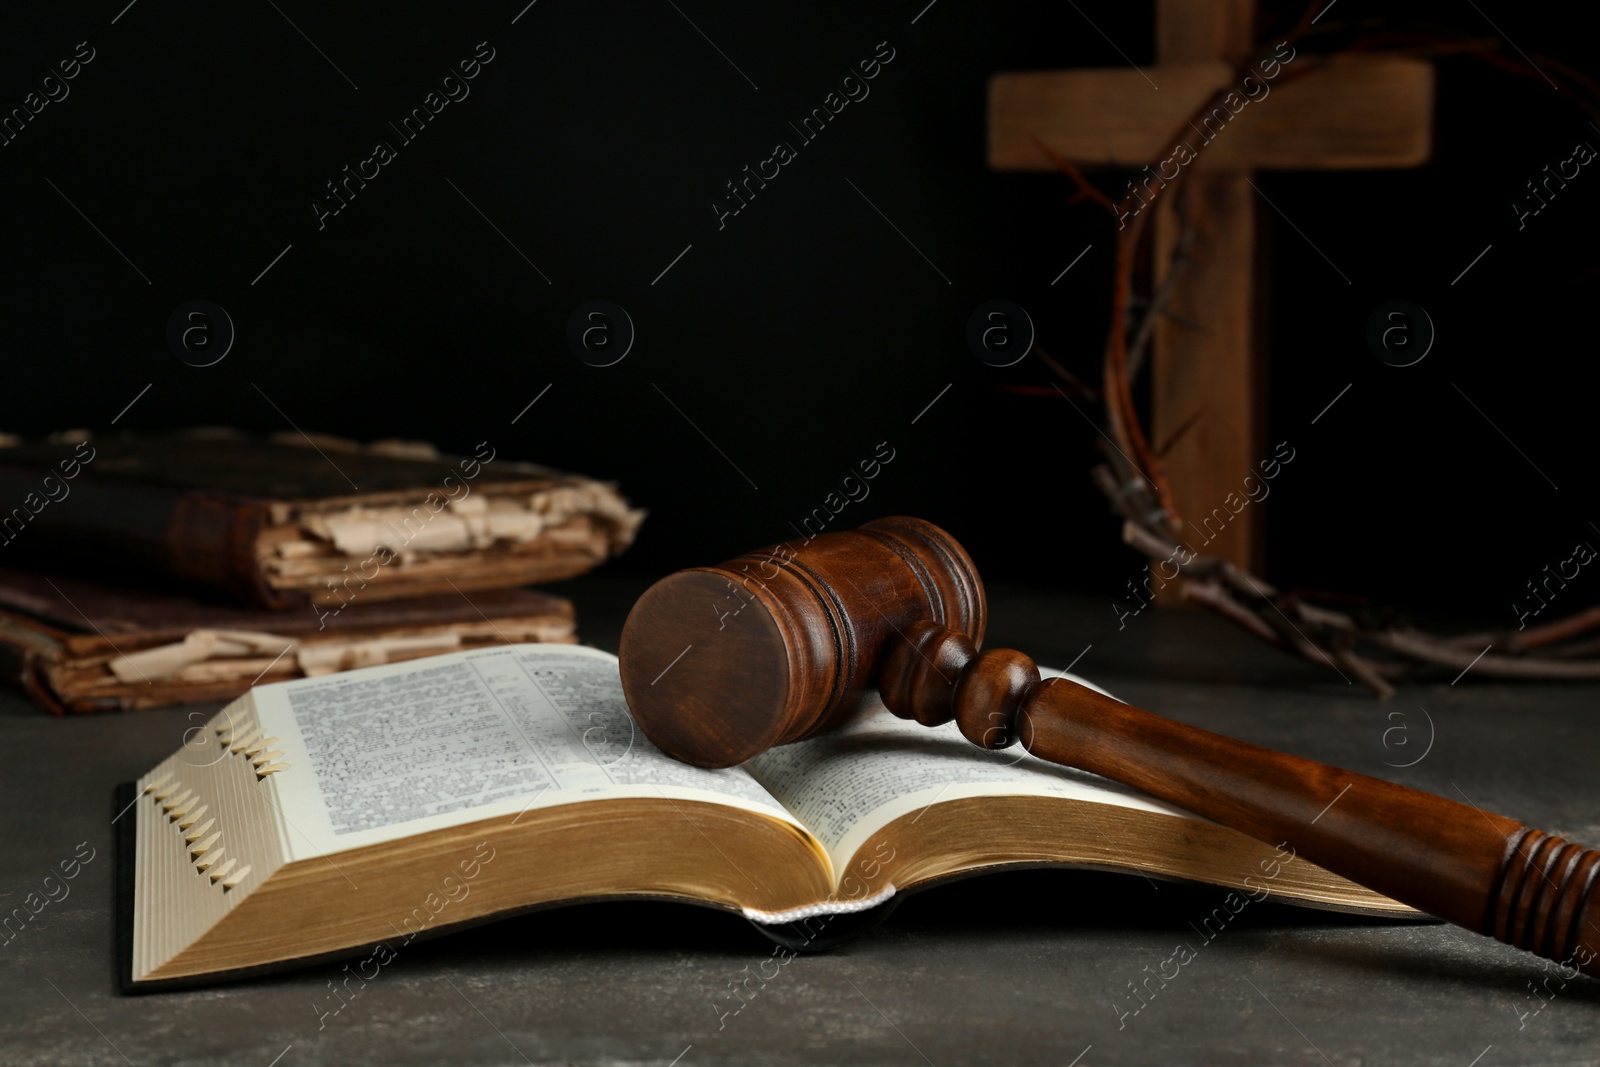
<point x="1018" y="968"/>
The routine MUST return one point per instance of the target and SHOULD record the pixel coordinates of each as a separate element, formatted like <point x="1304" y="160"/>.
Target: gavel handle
<point x="1481" y="871"/>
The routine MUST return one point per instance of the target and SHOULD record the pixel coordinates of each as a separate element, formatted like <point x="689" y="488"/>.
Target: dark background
<point x="807" y="330"/>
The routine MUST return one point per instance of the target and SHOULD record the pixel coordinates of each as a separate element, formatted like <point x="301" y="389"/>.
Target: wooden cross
<point x="1355" y="113"/>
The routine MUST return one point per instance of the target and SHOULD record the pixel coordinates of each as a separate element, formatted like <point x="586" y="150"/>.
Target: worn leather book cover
<point x="296" y="520"/>
<point x="79" y="645"/>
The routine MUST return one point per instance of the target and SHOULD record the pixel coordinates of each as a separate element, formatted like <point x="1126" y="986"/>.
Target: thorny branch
<point x="1133" y="479"/>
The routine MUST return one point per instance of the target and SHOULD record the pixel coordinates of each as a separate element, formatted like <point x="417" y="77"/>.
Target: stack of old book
<point x="142" y="571"/>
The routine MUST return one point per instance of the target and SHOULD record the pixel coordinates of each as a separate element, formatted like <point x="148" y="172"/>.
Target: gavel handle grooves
<point x="1485" y="872"/>
<point x="1482" y="871"/>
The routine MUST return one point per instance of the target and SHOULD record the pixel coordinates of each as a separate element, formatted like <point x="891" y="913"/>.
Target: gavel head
<point x="721" y="663"/>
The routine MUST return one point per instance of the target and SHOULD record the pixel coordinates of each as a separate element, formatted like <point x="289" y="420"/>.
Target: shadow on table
<point x="1080" y="918"/>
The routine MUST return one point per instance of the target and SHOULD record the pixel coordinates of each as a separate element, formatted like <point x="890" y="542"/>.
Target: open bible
<point x="350" y="814"/>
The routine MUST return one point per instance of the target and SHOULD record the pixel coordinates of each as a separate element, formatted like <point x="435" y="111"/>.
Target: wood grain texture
<point x="889" y="602"/>
<point x="1209" y="369"/>
<point x="1481" y="871"/>
<point x="1203" y="29"/>
<point x="1208" y="363"/>
<point x="1207" y="358"/>
<point x="1354" y="114"/>
<point x="721" y="663"/>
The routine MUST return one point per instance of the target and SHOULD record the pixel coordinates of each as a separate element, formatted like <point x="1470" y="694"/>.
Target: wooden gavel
<point x="721" y="663"/>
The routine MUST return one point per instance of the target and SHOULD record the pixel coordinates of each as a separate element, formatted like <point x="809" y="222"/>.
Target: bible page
<point x="848" y="785"/>
<point x="386" y="752"/>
